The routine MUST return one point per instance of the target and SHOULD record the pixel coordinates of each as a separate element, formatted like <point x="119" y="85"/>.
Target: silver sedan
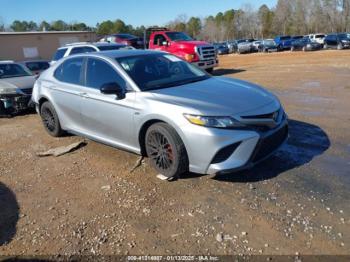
<point x="157" y="105"/>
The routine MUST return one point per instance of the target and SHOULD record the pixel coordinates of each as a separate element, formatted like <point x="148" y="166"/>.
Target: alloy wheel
<point x="48" y="119"/>
<point x="161" y="151"/>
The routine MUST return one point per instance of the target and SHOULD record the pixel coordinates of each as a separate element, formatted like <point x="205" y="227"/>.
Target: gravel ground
<point x="89" y="201"/>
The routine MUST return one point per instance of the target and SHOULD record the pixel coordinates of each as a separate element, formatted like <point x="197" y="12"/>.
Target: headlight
<point x="214" y="121"/>
<point x="7" y="91"/>
<point x="189" y="57"/>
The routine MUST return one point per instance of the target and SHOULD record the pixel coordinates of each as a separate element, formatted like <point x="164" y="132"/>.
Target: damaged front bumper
<point x="11" y="104"/>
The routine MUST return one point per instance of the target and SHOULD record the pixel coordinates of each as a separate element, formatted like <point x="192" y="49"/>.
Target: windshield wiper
<point x="177" y="83"/>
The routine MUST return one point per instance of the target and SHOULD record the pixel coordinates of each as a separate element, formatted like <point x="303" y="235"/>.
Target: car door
<point x="159" y="42"/>
<point x="105" y="117"/>
<point x="66" y="92"/>
<point x="333" y="41"/>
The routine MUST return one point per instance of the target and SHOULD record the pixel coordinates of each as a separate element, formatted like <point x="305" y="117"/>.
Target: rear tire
<point x="166" y="151"/>
<point x="50" y="120"/>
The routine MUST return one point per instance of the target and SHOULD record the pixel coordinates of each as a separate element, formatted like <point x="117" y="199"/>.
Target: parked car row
<point x="310" y="42"/>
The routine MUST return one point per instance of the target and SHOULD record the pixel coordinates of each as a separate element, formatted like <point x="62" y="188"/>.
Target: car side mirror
<point x="113" y="89"/>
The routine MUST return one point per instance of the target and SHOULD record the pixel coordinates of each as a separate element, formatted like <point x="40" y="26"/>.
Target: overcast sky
<point x="135" y="12"/>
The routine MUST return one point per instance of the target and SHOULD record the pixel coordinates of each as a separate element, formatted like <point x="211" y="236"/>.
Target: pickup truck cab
<point x="199" y="53"/>
<point x="283" y="42"/>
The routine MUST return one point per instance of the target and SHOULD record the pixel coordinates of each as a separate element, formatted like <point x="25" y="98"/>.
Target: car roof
<point x="7" y="62"/>
<point x="96" y="44"/>
<point x="120" y="53"/>
<point x="34" y="61"/>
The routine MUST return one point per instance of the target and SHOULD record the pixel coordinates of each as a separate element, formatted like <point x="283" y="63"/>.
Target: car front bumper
<point x="214" y="151"/>
<point x="12" y="104"/>
<point x="207" y="64"/>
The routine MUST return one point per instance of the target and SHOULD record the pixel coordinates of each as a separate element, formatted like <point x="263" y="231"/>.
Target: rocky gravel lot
<point x="89" y="202"/>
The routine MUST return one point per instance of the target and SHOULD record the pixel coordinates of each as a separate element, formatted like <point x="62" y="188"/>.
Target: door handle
<point x="83" y="94"/>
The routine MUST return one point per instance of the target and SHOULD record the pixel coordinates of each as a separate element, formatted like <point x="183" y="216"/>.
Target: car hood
<point x="220" y="96"/>
<point x="192" y="43"/>
<point x="22" y="82"/>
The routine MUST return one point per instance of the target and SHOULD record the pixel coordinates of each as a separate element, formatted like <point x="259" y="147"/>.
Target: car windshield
<point x="343" y="36"/>
<point x="37" y="66"/>
<point x="319" y="36"/>
<point x="158" y="71"/>
<point x="269" y="42"/>
<point x="285" y="38"/>
<point x="12" y="70"/>
<point x="126" y="36"/>
<point x="113" y="47"/>
<point x="178" y="36"/>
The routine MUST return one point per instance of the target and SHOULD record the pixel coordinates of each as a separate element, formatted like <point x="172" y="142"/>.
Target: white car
<point x="317" y="38"/>
<point x="85" y="47"/>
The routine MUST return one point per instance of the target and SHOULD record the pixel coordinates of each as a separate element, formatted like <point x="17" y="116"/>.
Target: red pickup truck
<point x="200" y="53"/>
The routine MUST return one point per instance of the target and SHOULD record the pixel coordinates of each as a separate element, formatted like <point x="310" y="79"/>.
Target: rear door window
<point x="99" y="72"/>
<point x="70" y="71"/>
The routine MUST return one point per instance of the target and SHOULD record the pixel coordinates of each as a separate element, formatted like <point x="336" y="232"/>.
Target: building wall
<point x="38" y="45"/>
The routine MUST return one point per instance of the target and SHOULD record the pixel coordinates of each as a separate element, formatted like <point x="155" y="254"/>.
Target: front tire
<point x="50" y="120"/>
<point x="340" y="47"/>
<point x="210" y="70"/>
<point x="166" y="151"/>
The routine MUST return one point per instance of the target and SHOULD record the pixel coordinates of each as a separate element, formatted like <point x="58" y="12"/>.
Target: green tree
<point x="44" y="26"/>
<point x="19" y="26"/>
<point x="181" y="27"/>
<point x="59" y="25"/>
<point x="2" y="25"/>
<point x="194" y="26"/>
<point x="32" y="26"/>
<point x="79" y="27"/>
<point x="105" y="28"/>
<point x="228" y="21"/>
<point x="265" y="16"/>
<point x="119" y="26"/>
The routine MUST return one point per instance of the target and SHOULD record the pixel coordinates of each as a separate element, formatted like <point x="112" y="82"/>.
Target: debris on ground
<point x="62" y="150"/>
<point x="140" y="161"/>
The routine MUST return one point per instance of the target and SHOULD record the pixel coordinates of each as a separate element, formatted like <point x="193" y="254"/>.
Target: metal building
<point x="38" y="45"/>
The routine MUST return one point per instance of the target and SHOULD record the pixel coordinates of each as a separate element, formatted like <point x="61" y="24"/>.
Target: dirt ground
<point x="88" y="202"/>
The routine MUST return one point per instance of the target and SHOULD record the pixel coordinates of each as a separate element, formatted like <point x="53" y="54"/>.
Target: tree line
<point x="288" y="17"/>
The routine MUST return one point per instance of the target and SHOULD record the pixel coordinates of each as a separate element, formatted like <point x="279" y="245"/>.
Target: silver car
<point x="157" y="105"/>
<point x="16" y="85"/>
